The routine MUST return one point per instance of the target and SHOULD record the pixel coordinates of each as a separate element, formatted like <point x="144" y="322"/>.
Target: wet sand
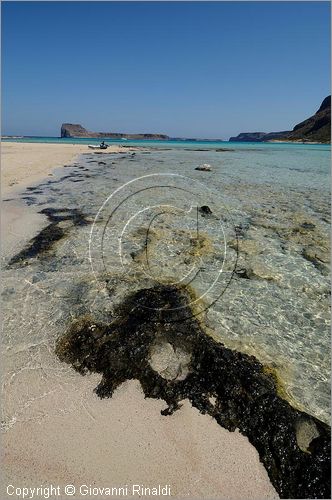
<point x="24" y="164"/>
<point x="111" y="442"/>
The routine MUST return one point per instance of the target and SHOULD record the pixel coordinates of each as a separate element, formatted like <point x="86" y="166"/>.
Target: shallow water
<point x="257" y="263"/>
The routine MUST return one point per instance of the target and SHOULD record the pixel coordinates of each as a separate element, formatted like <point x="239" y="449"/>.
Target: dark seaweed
<point x="224" y="150"/>
<point x="60" y="214"/>
<point x="245" y="394"/>
<point x="243" y="273"/>
<point x="30" y="200"/>
<point x="42" y="244"/>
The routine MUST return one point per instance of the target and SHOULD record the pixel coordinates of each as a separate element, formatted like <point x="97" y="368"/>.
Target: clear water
<point x="275" y="306"/>
<point x="176" y="143"/>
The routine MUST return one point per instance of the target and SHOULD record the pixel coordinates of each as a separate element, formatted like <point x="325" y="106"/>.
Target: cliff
<point x="317" y="128"/>
<point x="76" y="130"/>
<point x="258" y="136"/>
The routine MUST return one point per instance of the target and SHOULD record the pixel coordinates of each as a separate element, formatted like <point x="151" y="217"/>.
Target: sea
<point x="249" y="235"/>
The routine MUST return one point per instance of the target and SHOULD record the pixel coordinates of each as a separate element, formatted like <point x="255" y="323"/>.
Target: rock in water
<point x="205" y="211"/>
<point x="306" y="432"/>
<point x="170" y="363"/>
<point x="204" y="168"/>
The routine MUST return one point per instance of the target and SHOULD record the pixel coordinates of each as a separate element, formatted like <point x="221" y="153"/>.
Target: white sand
<point x="22" y="165"/>
<point x="26" y="163"/>
<point x="125" y="441"/>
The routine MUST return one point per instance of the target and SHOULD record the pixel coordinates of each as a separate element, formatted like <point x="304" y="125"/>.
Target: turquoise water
<point x="178" y="143"/>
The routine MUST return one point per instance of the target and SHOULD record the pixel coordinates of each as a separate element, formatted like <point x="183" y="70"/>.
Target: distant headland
<point x="75" y="130"/>
<point x="317" y="128"/>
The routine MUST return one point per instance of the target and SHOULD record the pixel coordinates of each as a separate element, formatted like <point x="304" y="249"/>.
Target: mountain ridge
<point x="316" y="128"/>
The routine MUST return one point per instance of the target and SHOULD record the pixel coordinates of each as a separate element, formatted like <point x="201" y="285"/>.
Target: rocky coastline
<point x="314" y="130"/>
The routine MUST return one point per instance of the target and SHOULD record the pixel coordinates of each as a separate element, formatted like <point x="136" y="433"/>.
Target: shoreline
<point x="78" y="141"/>
<point x="25" y="163"/>
<point x="276" y="141"/>
<point x="189" y="451"/>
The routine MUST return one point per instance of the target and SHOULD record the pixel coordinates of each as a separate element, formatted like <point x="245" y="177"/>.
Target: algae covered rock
<point x="306" y="432"/>
<point x="170" y="363"/>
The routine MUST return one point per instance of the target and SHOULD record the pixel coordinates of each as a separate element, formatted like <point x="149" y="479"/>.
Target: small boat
<point x="99" y="146"/>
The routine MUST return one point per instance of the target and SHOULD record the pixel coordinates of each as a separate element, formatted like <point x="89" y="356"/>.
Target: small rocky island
<point x="317" y="128"/>
<point x="77" y="131"/>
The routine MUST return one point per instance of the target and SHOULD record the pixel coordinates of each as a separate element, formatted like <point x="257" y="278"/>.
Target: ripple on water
<point x="277" y="308"/>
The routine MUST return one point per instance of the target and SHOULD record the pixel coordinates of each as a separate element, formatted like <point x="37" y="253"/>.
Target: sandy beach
<point x="125" y="441"/>
<point x="65" y="434"/>
<point x="23" y="164"/>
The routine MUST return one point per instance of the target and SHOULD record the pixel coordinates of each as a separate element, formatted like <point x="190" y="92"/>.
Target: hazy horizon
<point x="189" y="69"/>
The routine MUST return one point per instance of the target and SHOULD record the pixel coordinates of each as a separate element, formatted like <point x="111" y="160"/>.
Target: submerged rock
<point x="170" y="363"/>
<point x="306" y="432"/>
<point x="247" y="246"/>
<point x="151" y="338"/>
<point x="261" y="270"/>
<point x="224" y="150"/>
<point x="318" y="256"/>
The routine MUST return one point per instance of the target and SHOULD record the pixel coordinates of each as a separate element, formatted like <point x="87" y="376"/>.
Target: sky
<point x="186" y="69"/>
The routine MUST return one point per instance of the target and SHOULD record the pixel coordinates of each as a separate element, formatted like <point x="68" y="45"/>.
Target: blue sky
<point x="193" y="69"/>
